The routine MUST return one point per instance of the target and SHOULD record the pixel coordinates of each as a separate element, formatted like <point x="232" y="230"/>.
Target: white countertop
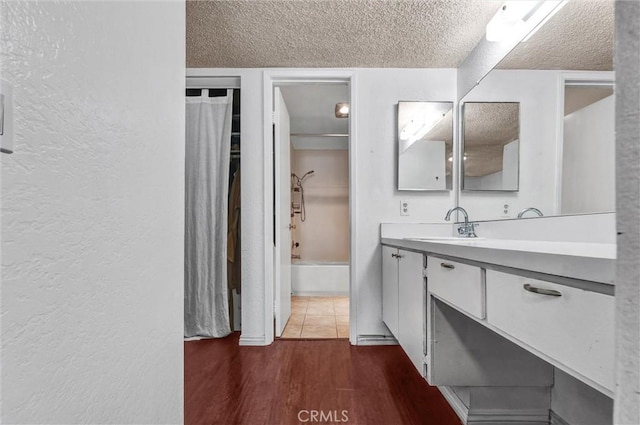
<point x="585" y="261"/>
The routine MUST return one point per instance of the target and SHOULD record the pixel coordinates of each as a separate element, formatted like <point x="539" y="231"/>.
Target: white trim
<point x="455" y="402"/>
<point x="267" y="138"/>
<point x="508" y="417"/>
<point x="307" y="76"/>
<point x="376" y="340"/>
<point x="254" y="341"/>
<point x="564" y="77"/>
<point x="555" y="419"/>
<point x="210" y="82"/>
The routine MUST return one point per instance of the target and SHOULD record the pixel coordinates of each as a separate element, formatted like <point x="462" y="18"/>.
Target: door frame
<point x="586" y="77"/>
<point x="282" y="77"/>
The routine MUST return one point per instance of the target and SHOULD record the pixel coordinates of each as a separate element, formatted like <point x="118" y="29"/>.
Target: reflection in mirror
<point x="425" y="140"/>
<point x="588" y="149"/>
<point x="561" y="76"/>
<point x="491" y="133"/>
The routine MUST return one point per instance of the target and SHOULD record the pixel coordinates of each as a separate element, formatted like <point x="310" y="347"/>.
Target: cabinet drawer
<point x="572" y="326"/>
<point x="459" y="284"/>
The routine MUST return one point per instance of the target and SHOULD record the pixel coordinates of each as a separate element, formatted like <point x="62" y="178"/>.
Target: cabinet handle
<point x="394" y="255"/>
<point x="399" y="256"/>
<point x="542" y="291"/>
<point x="447" y="266"/>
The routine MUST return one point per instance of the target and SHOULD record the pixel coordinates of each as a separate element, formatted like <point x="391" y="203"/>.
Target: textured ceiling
<point x="487" y="128"/>
<point x="336" y="33"/>
<point x="579" y="37"/>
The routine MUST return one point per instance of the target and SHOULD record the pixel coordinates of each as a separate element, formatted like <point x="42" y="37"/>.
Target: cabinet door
<point x="411" y="302"/>
<point x="390" y="289"/>
<point x="573" y="327"/>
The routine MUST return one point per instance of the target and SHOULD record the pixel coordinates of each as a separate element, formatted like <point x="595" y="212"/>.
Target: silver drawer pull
<point x="447" y="266"/>
<point x="542" y="291"/>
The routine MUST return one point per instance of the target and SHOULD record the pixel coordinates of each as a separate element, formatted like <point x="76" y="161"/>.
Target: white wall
<point x="537" y="92"/>
<point x="510" y="165"/>
<point x="577" y="403"/>
<point x="588" y="183"/>
<point x="378" y="200"/>
<point x="422" y="166"/>
<point x="488" y="182"/>
<point x="92" y="213"/>
<point x="324" y="235"/>
<point x="627" y="61"/>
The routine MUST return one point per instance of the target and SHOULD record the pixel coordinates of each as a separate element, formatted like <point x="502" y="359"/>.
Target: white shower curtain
<point x="208" y="148"/>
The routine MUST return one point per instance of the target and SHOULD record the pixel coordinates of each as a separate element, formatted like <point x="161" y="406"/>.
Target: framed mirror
<point x="490" y="146"/>
<point x="425" y="144"/>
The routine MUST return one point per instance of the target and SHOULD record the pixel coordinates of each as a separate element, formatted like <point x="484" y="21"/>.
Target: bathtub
<point x="311" y="278"/>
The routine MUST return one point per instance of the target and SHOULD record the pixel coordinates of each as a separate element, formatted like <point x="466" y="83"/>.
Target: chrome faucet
<point x="535" y="210"/>
<point x="467" y="230"/>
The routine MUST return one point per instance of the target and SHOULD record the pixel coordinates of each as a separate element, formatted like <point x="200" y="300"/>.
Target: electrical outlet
<point x="404" y="207"/>
<point x="505" y="209"/>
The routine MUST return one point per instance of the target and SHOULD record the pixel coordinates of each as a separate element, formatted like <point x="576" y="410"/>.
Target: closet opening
<point x="212" y="212"/>
<point x="311" y="205"/>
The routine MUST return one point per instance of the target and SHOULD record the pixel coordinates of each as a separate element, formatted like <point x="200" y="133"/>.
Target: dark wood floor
<point x="282" y="384"/>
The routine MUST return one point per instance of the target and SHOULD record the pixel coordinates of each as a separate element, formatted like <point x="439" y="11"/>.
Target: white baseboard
<point x="455" y="402"/>
<point x="319" y="294"/>
<point x="376" y="340"/>
<point x="493" y="417"/>
<point x="509" y="417"/>
<point x="556" y="420"/>
<point x="252" y="340"/>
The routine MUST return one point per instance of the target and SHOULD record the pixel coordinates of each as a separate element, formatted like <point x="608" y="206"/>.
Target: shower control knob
<point x="292" y="226"/>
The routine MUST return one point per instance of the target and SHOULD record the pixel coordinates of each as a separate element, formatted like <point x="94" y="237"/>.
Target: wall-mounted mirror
<point x="490" y="139"/>
<point x="561" y="77"/>
<point x="425" y="142"/>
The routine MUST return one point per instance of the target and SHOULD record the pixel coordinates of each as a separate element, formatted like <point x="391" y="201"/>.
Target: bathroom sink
<point x="445" y="239"/>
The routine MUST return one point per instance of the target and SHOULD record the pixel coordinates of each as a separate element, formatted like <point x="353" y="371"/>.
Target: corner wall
<point x="92" y="213"/>
<point x="627" y="64"/>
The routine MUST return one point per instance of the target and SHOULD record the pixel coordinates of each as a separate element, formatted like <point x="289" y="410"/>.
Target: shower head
<point x="308" y="173"/>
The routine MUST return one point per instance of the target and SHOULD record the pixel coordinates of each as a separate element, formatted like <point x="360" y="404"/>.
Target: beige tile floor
<point x="318" y="317"/>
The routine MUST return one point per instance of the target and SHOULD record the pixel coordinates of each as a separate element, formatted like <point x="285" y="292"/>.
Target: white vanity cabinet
<point x="460" y="284"/>
<point x="403" y="301"/>
<point x="572" y="327"/>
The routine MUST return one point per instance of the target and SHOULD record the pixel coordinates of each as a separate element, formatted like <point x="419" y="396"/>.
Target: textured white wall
<point x="92" y="213"/>
<point x="537" y="92"/>
<point x="627" y="64"/>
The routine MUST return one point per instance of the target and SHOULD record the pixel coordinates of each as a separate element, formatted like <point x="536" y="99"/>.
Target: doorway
<point x="312" y="210"/>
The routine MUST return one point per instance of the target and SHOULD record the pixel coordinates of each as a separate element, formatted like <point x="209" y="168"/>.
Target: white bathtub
<point x="310" y="278"/>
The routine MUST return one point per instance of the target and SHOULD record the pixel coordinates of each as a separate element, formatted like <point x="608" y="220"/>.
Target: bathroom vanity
<point x="489" y="320"/>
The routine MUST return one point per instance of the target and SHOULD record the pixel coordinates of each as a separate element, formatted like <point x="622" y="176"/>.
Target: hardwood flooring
<point x="287" y="381"/>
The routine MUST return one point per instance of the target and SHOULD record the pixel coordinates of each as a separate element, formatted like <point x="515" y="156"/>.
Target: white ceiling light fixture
<point x="514" y="15"/>
<point x="342" y="110"/>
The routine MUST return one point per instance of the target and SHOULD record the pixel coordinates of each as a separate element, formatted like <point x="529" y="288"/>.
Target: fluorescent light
<point x="419" y="126"/>
<point x="509" y="18"/>
<point x="342" y="110"/>
<point x="560" y="5"/>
